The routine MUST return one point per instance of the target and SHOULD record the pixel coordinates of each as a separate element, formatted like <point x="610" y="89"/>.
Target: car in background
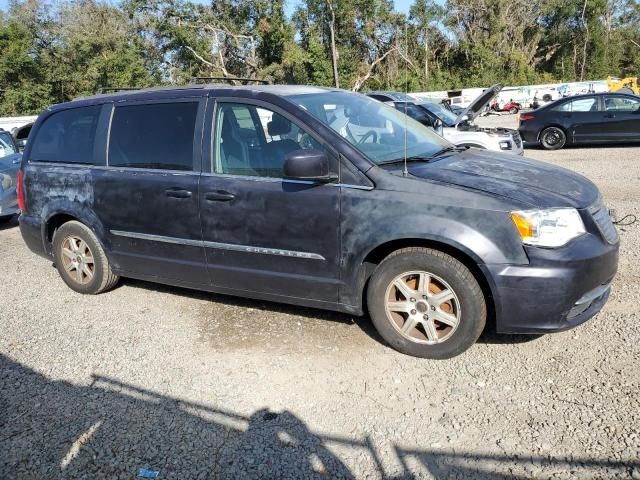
<point x="21" y="134"/>
<point x="583" y="119"/>
<point x="460" y="129"/>
<point x="10" y="161"/>
<point x="544" y="96"/>
<point x="511" y="107"/>
<point x="390" y="96"/>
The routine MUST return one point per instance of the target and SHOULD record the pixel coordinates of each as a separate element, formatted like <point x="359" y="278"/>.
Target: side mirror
<point x="465" y="118"/>
<point x="310" y="165"/>
<point x="437" y="126"/>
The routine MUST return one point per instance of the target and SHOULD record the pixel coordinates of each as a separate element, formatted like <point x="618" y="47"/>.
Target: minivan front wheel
<point x="426" y="303"/>
<point x="80" y="259"/>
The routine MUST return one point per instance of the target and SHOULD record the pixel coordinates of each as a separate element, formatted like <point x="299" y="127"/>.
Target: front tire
<point x="513" y="110"/>
<point x="553" y="138"/>
<point x="81" y="261"/>
<point x="426" y="303"/>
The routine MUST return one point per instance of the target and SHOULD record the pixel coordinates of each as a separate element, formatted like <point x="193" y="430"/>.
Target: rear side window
<point x="67" y="136"/>
<point x="157" y="135"/>
<point x="589" y="104"/>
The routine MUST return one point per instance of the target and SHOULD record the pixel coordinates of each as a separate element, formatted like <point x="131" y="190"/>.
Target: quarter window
<point x="156" y="135"/>
<point x="255" y="141"/>
<point x="67" y="136"/>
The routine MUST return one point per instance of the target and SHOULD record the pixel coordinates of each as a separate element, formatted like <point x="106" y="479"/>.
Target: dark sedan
<point x="594" y="118"/>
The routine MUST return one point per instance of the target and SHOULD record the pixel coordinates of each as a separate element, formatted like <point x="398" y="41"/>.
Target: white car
<point x="460" y="129"/>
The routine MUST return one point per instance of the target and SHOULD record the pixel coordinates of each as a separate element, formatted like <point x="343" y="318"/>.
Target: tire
<point x="391" y="311"/>
<point x="513" y="110"/>
<point x="626" y="90"/>
<point x="70" y="261"/>
<point x="553" y="138"/>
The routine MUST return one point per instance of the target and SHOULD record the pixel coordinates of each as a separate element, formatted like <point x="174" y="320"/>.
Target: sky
<point x="401" y="5"/>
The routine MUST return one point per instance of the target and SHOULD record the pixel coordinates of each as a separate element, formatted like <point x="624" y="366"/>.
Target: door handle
<point x="219" y="196"/>
<point x="177" y="193"/>
<point x="610" y="115"/>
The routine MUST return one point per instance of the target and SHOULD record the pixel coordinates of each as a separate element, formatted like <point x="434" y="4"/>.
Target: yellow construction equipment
<point x="624" y="85"/>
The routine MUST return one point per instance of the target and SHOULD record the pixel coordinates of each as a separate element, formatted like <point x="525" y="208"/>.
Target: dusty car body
<point x="316" y="197"/>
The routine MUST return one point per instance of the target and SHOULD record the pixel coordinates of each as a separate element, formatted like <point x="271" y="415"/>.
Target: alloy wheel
<point x="422" y="307"/>
<point x="77" y="260"/>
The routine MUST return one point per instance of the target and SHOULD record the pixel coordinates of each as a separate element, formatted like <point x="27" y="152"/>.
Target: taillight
<point x="526" y="116"/>
<point x="22" y="204"/>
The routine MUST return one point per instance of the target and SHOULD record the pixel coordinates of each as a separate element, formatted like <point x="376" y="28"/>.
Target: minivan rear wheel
<point x="80" y="259"/>
<point x="426" y="303"/>
<point x="553" y="138"/>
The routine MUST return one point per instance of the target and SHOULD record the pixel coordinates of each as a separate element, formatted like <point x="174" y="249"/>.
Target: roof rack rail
<point x="196" y="80"/>
<point x="115" y="89"/>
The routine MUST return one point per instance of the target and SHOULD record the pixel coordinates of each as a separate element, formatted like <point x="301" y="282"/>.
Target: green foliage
<point x="54" y="51"/>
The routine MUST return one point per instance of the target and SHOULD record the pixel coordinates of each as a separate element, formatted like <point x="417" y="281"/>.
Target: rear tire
<point x="513" y="110"/>
<point x="553" y="138"/>
<point x="81" y="261"/>
<point x="443" y="311"/>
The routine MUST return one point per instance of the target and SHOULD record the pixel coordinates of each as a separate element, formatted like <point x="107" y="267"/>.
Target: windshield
<point x="6" y="144"/>
<point x="375" y="129"/>
<point x="447" y="117"/>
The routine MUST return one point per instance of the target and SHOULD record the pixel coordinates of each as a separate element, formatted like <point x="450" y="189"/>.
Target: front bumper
<point x="558" y="290"/>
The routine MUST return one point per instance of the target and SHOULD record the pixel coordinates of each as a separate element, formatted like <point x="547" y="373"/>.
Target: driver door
<point x="262" y="232"/>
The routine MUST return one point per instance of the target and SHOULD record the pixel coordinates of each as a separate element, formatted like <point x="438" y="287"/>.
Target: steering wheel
<point x="365" y="137"/>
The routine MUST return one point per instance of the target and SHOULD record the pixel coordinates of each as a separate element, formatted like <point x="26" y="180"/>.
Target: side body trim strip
<point x="218" y="245"/>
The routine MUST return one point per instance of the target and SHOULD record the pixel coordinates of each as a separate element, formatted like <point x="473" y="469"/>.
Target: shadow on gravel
<point x="493" y="338"/>
<point x="7" y="223"/>
<point x="55" y="429"/>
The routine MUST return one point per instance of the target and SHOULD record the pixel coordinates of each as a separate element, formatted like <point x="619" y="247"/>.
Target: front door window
<point x="255" y="141"/>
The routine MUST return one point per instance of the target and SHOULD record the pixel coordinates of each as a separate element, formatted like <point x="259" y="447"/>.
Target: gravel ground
<point x="197" y="385"/>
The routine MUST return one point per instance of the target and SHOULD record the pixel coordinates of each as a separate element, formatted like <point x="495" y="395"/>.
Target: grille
<point x="517" y="140"/>
<point x="602" y="218"/>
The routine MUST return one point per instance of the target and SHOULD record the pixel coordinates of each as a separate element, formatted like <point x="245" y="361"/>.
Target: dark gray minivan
<point x="317" y="197"/>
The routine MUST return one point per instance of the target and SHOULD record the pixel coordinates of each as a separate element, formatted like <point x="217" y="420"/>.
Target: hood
<point x="530" y="182"/>
<point x="475" y="108"/>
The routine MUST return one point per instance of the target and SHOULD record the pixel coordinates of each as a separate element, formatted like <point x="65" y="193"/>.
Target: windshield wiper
<point x="413" y="158"/>
<point x="447" y="150"/>
<point x="424" y="158"/>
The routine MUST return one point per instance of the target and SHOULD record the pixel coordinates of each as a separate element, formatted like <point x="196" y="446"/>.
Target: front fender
<point x="462" y="222"/>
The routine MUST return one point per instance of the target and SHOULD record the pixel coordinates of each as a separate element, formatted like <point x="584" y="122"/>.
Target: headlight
<point x="554" y="227"/>
<point x="6" y="181"/>
<point x="505" y="145"/>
